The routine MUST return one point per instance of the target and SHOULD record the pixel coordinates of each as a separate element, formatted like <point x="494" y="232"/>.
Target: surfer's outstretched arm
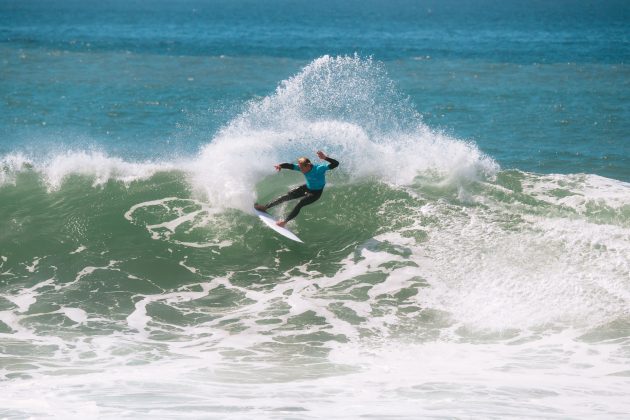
<point x="284" y="166"/>
<point x="333" y="162"/>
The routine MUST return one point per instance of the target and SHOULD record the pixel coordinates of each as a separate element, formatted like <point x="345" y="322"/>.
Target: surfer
<point x="310" y="192"/>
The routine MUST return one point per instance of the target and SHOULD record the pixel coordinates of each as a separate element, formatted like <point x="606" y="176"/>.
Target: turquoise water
<point x="470" y="257"/>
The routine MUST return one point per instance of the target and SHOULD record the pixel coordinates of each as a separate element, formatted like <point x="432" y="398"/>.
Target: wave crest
<point x="98" y="166"/>
<point x="347" y="106"/>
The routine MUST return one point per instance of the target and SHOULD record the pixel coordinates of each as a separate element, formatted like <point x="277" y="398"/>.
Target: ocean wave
<point x="347" y="106"/>
<point x="99" y="167"/>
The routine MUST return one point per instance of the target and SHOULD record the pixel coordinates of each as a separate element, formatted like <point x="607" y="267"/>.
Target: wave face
<point x="431" y="279"/>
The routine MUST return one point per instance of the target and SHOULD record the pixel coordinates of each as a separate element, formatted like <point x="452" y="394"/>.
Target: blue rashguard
<point x="316" y="177"/>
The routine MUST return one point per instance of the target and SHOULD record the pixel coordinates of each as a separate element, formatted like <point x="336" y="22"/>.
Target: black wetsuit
<point x="309" y="196"/>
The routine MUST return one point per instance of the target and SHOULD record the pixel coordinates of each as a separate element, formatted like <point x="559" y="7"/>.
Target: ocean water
<point x="470" y="257"/>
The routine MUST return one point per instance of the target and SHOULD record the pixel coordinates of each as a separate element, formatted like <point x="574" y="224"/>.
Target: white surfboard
<point x="269" y="221"/>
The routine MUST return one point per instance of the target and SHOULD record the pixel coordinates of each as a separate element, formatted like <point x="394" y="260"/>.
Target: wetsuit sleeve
<point x="333" y="163"/>
<point x="287" y="166"/>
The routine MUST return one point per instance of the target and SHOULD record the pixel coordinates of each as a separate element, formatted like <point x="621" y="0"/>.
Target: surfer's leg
<point x="311" y="197"/>
<point x="291" y="195"/>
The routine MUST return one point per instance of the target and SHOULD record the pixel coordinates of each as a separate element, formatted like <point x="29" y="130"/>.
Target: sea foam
<point x="348" y="107"/>
<point x="96" y="165"/>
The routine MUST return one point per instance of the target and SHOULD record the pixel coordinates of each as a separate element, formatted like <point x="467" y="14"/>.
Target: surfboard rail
<point x="271" y="222"/>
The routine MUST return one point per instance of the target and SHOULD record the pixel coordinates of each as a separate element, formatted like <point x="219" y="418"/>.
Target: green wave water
<point x="95" y="279"/>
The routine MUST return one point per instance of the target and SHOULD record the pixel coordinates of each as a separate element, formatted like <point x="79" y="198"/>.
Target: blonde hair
<point x="304" y="161"/>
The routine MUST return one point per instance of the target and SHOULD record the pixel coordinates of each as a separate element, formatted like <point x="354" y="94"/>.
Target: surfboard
<point x="271" y="222"/>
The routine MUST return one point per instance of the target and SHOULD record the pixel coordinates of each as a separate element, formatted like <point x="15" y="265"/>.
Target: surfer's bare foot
<point x="260" y="207"/>
<point x="281" y="223"/>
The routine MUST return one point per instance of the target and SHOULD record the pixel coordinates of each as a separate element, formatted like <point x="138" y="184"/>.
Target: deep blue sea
<point x="469" y="258"/>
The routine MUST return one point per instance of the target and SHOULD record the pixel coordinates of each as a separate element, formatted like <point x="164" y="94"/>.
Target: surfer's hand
<point x="277" y="168"/>
<point x="321" y="155"/>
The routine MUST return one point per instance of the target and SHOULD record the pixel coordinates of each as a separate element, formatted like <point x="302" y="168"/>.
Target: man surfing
<point x="310" y="192"/>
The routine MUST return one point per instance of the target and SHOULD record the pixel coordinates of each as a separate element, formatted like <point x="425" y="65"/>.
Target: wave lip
<point x="97" y="165"/>
<point x="11" y="165"/>
<point x="101" y="167"/>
